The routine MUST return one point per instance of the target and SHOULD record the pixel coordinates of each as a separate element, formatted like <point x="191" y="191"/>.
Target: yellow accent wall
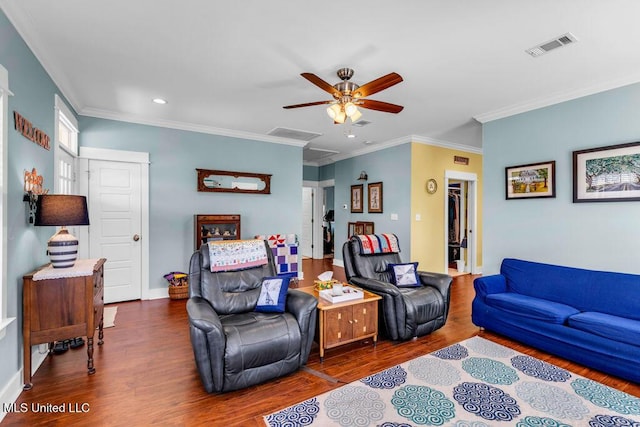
<point x="427" y="235"/>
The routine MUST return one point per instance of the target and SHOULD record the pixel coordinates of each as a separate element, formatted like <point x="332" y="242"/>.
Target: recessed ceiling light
<point x="160" y="101"/>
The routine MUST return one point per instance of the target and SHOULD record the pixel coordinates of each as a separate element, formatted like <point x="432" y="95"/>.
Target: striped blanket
<point x="377" y="243"/>
<point x="230" y="255"/>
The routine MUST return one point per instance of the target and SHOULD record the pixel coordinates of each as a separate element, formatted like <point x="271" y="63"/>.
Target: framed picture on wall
<point x="531" y="181"/>
<point x="375" y="197"/>
<point x="356" y="198"/>
<point x="607" y="174"/>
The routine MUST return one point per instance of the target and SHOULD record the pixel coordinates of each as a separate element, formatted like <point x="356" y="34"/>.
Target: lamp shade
<point x="61" y="209"/>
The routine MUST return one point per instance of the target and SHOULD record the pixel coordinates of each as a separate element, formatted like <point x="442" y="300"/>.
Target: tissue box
<point x="320" y="285"/>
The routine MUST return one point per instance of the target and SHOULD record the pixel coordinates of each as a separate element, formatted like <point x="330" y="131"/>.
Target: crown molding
<point x="399" y="141"/>
<point x="129" y="118"/>
<point x="556" y="99"/>
<point x="445" y="144"/>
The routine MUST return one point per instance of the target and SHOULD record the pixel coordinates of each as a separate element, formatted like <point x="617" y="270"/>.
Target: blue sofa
<point x="590" y="317"/>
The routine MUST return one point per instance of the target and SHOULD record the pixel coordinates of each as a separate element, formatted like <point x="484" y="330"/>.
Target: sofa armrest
<point x="303" y="306"/>
<point x="442" y="282"/>
<point x="493" y="284"/>
<point x="376" y="286"/>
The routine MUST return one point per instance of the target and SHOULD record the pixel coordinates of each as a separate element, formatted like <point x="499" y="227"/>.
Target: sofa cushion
<point x="531" y="307"/>
<point x="608" y="326"/>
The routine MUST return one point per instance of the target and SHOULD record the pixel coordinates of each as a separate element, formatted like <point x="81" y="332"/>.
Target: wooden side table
<point x="345" y="322"/>
<point x="59" y="304"/>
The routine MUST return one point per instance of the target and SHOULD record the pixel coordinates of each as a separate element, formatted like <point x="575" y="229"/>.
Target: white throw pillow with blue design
<point x="273" y="295"/>
<point x="405" y="275"/>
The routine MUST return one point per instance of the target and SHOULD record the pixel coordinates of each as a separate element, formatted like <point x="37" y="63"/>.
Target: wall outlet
<point x="394" y="217"/>
<point x="418" y="217"/>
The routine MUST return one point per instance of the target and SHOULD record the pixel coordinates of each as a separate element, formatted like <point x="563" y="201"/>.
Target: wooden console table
<point x="62" y="303"/>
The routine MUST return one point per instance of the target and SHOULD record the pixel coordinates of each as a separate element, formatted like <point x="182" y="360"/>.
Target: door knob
<point x="136" y="237"/>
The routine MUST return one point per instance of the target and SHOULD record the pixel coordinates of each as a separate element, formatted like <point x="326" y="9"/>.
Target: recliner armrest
<point x="303" y="306"/>
<point x="300" y="304"/>
<point x="202" y="315"/>
<point x="442" y="282"/>
<point x="377" y="286"/>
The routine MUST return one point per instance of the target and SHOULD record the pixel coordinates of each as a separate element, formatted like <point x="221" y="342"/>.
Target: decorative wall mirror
<point x="233" y="182"/>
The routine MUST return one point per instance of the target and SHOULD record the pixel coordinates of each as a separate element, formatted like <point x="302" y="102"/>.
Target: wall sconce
<point x="363" y="176"/>
<point x="62" y="210"/>
<point x="32" y="189"/>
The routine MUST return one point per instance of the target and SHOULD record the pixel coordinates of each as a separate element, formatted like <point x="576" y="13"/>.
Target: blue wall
<point x="384" y="166"/>
<point x="310" y="173"/>
<point x="173" y="198"/>
<point x="34" y="99"/>
<point x="604" y="236"/>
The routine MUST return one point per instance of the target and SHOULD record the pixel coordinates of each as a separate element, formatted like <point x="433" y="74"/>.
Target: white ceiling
<point x="229" y="67"/>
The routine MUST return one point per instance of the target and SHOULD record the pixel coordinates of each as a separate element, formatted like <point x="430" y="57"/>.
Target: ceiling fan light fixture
<point x="340" y="117"/>
<point x="355" y="116"/>
<point x="350" y="109"/>
<point x="333" y="111"/>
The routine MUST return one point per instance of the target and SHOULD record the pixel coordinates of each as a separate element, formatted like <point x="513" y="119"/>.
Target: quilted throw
<point x="230" y="255"/>
<point x="274" y="240"/>
<point x="378" y="243"/>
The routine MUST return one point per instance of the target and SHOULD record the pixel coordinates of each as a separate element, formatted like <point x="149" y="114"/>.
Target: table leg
<point x="100" y="331"/>
<point x="90" y="367"/>
<point x="27" y="367"/>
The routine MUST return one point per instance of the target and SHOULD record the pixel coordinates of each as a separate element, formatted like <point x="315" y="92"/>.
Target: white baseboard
<point x="338" y="262"/>
<point x="10" y="392"/>
<point x="156" y="293"/>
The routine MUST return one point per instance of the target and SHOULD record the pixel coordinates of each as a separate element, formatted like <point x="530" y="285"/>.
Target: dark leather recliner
<point x="406" y="312"/>
<point x="234" y="346"/>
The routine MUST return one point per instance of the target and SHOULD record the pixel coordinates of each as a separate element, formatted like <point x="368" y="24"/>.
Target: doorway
<point x="117" y="188"/>
<point x="313" y="226"/>
<point x="460" y="243"/>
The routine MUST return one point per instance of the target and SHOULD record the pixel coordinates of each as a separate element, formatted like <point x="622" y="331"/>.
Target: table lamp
<point x="62" y="210"/>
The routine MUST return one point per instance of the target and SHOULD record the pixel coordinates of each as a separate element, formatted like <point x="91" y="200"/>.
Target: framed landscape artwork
<point x="375" y="197"/>
<point x="607" y="174"/>
<point x="531" y="181"/>
<point x="356" y="198"/>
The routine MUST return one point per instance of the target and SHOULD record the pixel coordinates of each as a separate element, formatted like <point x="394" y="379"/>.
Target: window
<point x="66" y="148"/>
<point x="4" y="134"/>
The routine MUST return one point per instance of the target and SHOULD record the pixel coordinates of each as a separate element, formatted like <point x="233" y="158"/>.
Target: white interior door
<point x="306" y="242"/>
<point x="115" y="230"/>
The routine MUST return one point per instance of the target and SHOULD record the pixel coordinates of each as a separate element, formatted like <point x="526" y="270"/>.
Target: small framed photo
<point x="375" y="197"/>
<point x="607" y="174"/>
<point x="532" y="181"/>
<point x="356" y="198"/>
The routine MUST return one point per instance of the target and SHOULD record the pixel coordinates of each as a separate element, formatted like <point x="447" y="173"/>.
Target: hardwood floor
<point x="145" y="373"/>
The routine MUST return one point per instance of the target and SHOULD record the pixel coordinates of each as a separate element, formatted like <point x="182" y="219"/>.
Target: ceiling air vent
<point x="301" y="135"/>
<point x="559" y="41"/>
<point x="361" y="123"/>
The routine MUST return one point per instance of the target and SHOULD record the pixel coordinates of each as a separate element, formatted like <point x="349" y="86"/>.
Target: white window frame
<point x="65" y="115"/>
<point x="4" y="143"/>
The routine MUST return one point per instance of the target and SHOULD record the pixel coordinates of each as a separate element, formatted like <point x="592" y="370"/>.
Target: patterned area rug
<point x="475" y="383"/>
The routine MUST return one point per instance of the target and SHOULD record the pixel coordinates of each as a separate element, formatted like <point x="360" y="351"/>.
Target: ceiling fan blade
<point x="308" y="104"/>
<point x="377" y="85"/>
<point x="322" y="84"/>
<point x="379" y="106"/>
